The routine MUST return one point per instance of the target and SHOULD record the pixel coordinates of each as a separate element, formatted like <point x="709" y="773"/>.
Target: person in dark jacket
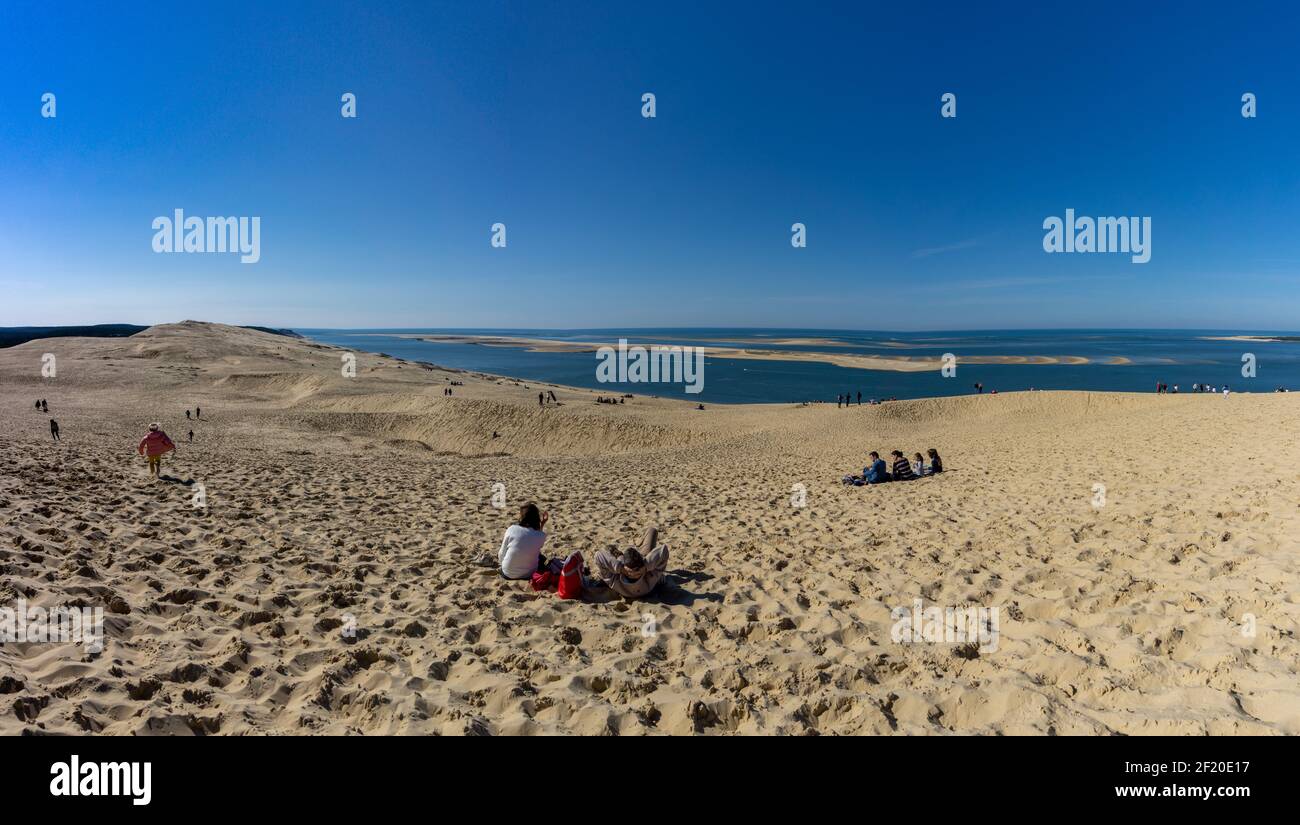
<point x="936" y="463"/>
<point x="902" y="467"/>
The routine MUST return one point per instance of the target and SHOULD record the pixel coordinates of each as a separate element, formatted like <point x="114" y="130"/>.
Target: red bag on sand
<point x="543" y="580"/>
<point x="571" y="577"/>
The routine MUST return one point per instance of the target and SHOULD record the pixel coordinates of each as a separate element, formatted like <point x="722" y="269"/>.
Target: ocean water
<point x="1176" y="357"/>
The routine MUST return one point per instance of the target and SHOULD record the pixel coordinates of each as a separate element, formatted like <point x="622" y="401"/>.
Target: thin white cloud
<point x="939" y="250"/>
<point x="1005" y="283"/>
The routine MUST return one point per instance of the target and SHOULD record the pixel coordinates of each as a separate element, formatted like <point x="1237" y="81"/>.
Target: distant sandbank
<point x="1267" y="339"/>
<point x="897" y="363"/>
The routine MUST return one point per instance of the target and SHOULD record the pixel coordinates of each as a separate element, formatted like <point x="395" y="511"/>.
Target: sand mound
<point x="1141" y="551"/>
<point x="1051" y="406"/>
<point x="466" y="426"/>
<point x="286" y="387"/>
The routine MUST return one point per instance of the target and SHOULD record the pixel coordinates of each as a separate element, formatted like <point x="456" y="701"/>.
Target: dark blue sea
<point x="1176" y="357"/>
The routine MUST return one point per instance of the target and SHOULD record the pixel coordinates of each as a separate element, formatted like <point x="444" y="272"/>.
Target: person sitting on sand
<point x="639" y="571"/>
<point x="902" y="468"/>
<point x="936" y="463"/>
<point x="918" y="466"/>
<point x="520" y="555"/>
<point x="874" y="473"/>
<point x="154" y="446"/>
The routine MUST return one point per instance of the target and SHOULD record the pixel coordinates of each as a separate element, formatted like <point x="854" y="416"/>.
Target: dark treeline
<point x="13" y="336"/>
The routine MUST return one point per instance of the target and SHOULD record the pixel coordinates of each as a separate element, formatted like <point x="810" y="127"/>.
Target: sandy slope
<point x="331" y="498"/>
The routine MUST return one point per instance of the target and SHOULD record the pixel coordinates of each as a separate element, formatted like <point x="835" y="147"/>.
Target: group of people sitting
<point x="633" y="573"/>
<point x="877" y="472"/>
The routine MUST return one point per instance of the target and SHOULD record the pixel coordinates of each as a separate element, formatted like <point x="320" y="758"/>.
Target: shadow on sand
<point x="669" y="591"/>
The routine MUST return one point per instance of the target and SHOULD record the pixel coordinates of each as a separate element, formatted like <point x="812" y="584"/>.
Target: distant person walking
<point x="44" y="406"/>
<point x="38" y="405"/>
<point x="54" y="429"/>
<point x="541" y="400"/>
<point x="198" y="413"/>
<point x="187" y="415"/>
<point x="154" y="446"/>
<point x="191" y="436"/>
<point x="859" y="398"/>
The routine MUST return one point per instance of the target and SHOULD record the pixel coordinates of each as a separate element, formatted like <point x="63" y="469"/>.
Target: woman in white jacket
<point x="520" y="555"/>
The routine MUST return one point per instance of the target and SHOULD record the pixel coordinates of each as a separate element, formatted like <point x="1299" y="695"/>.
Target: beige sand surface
<point x="333" y="500"/>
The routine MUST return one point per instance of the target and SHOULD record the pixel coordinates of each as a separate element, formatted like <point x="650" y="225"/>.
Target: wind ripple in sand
<point x="238" y="618"/>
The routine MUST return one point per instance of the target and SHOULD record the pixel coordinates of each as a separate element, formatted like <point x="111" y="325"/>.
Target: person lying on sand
<point x="637" y="572"/>
<point x="155" y="445"/>
<point x="520" y="555"/>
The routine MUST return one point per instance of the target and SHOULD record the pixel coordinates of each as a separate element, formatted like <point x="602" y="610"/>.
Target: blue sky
<point x="529" y="113"/>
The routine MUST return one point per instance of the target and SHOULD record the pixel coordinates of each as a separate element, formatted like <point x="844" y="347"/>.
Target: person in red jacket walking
<point x="154" y="446"/>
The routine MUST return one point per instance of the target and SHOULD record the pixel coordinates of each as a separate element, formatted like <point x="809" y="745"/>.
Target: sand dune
<point x="336" y="503"/>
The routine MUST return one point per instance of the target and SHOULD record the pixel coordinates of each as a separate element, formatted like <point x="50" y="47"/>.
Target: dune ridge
<point x="362" y="504"/>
